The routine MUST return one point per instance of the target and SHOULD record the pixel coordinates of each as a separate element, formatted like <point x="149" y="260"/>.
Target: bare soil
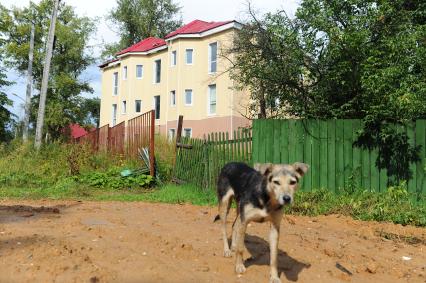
<point x="48" y="241"/>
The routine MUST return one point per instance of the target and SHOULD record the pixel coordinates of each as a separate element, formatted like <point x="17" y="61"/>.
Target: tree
<point x="46" y="73"/>
<point x="341" y="59"/>
<point x="71" y="56"/>
<point x="6" y="117"/>
<point x="135" y="20"/>
<point x="267" y="59"/>
<point x="90" y="111"/>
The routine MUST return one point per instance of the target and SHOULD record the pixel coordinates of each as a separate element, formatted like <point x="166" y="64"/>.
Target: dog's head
<point x="282" y="180"/>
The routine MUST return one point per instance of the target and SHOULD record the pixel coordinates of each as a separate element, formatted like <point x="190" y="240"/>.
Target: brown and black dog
<point x="260" y="194"/>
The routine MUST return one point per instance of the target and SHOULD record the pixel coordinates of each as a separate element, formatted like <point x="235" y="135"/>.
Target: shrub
<point x="112" y="179"/>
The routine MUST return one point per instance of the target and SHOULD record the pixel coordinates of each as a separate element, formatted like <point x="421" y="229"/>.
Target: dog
<point x="260" y="193"/>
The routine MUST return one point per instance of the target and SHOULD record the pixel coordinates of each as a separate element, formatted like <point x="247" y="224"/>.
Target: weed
<point x="112" y="179"/>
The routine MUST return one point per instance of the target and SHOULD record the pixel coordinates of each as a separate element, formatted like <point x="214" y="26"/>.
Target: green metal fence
<point x="201" y="163"/>
<point x="327" y="146"/>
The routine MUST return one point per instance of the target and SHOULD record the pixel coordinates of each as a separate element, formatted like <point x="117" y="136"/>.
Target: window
<point x="173" y="98"/>
<point x="125" y="73"/>
<point x="114" y="114"/>
<point x="157" y="106"/>
<point x="173" y="58"/>
<point x="187" y="132"/>
<point x="138" y="106"/>
<point x="139" y="71"/>
<point x="157" y="71"/>
<point x="115" y="83"/>
<point x="124" y="107"/>
<point x="188" y="96"/>
<point x="212" y="100"/>
<point x="213" y="57"/>
<point x="188" y="56"/>
<point x="172" y="134"/>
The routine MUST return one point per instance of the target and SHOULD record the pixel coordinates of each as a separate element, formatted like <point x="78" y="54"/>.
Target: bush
<point x="112" y="179"/>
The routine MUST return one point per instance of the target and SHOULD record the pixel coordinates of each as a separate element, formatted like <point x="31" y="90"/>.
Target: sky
<point x="207" y="10"/>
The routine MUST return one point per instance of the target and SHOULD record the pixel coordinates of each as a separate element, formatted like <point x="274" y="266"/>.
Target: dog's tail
<point x="217" y="218"/>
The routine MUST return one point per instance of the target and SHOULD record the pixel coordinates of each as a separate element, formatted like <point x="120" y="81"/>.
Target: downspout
<point x="167" y="88"/>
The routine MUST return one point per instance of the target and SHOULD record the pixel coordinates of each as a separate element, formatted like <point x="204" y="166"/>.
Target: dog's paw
<point x="233" y="248"/>
<point x="240" y="268"/>
<point x="227" y="253"/>
<point x="274" y="280"/>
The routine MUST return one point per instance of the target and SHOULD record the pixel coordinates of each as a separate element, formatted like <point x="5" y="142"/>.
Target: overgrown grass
<point x="64" y="168"/>
<point x="395" y="205"/>
<point x="172" y="194"/>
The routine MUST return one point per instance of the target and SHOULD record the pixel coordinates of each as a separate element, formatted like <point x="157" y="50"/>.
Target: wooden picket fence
<point x="327" y="146"/>
<point x="201" y="163"/>
<point x="125" y="140"/>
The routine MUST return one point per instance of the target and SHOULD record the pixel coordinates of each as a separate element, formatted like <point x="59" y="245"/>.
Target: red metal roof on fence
<point x="197" y="26"/>
<point x="143" y="46"/>
<point x="77" y="131"/>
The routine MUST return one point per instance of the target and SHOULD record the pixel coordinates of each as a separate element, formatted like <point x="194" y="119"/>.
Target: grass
<point x="166" y="194"/>
<point x="63" y="171"/>
<point x="395" y="205"/>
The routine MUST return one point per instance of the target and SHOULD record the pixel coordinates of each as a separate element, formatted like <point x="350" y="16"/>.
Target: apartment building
<point x="182" y="74"/>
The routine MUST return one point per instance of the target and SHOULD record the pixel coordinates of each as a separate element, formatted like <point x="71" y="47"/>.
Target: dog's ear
<point x="263" y="168"/>
<point x="301" y="168"/>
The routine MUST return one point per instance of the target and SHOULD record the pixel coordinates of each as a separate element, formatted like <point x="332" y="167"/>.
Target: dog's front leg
<point x="234" y="233"/>
<point x="239" y="245"/>
<point x="273" y="246"/>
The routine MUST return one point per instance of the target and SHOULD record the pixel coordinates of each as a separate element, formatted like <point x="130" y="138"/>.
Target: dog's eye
<point x="277" y="183"/>
<point x="293" y="182"/>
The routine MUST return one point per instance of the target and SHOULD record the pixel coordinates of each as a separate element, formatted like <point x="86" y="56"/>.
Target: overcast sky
<point x="207" y="10"/>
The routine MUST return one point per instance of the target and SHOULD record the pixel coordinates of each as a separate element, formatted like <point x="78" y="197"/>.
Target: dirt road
<point x="140" y="242"/>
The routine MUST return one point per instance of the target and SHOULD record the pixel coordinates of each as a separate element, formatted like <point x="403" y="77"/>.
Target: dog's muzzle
<point x="286" y="199"/>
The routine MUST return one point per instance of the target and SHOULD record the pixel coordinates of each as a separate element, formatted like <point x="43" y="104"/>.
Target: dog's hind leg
<point x="234" y="232"/>
<point x="224" y="206"/>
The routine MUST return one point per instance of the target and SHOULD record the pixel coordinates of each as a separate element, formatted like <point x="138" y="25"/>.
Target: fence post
<point x="151" y="143"/>
<point x="179" y="130"/>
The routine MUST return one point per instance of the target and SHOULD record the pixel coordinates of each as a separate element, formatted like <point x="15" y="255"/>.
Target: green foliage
<point x="23" y="166"/>
<point x="113" y="179"/>
<point x="395" y="205"/>
<point x="6" y="117"/>
<point x="139" y="19"/>
<point x="395" y="151"/>
<point x="337" y="59"/>
<point x="71" y="56"/>
<point x="340" y="59"/>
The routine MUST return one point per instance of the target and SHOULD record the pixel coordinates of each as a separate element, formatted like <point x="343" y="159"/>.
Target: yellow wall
<point x="178" y="78"/>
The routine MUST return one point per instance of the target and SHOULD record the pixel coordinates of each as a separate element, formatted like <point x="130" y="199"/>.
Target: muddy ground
<point x="47" y="241"/>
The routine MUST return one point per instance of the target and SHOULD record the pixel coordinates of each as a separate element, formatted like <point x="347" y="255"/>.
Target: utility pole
<point x="45" y="80"/>
<point x="29" y="83"/>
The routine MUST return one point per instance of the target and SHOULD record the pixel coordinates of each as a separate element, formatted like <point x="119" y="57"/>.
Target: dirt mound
<point x="140" y="242"/>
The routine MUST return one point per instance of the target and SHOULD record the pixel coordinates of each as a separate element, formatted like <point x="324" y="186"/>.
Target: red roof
<point x="145" y="45"/>
<point x="77" y="131"/>
<point x="197" y="26"/>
